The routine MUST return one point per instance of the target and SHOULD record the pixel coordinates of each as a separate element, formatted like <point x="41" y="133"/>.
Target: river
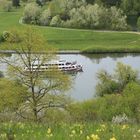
<point x="84" y="83"/>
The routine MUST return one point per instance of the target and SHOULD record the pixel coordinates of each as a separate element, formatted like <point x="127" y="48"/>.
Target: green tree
<point x="124" y="74"/>
<point x="116" y="82"/>
<point x="16" y="3"/>
<point x="56" y="21"/>
<point x="138" y="23"/>
<point x="12" y="94"/>
<point x="111" y="2"/>
<point x="31" y="13"/>
<point x="45" y="17"/>
<point x="45" y="89"/>
<point x="6" y="5"/>
<point x="131" y="7"/>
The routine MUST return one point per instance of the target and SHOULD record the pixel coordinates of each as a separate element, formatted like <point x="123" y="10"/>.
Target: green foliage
<point x="45" y="88"/>
<point x="16" y="3"/>
<point x="63" y="131"/>
<point x="56" y="21"/>
<point x="107" y="107"/>
<point x="118" y="19"/>
<point x="109" y="84"/>
<point x="6" y="5"/>
<point x="131" y="7"/>
<point x="106" y="84"/>
<point x="45" y="17"/>
<point x="97" y="17"/>
<point x="138" y="23"/>
<point x="12" y="94"/>
<point x="124" y="74"/>
<point x="83" y="40"/>
<point x="31" y="13"/>
<point x="12" y="36"/>
<point x="79" y="14"/>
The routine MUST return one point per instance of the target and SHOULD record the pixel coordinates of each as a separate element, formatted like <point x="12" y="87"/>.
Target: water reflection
<point x="84" y="83"/>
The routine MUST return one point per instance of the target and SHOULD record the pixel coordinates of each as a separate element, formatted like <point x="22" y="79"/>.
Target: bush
<point x="1" y="38"/>
<point x="12" y="36"/>
<point x="32" y="13"/>
<point x="110" y="107"/>
<point x="6" y="5"/>
<point x="115" y="83"/>
<point x="45" y="18"/>
<point x="106" y="84"/>
<point x="118" y="19"/>
<point x="56" y="21"/>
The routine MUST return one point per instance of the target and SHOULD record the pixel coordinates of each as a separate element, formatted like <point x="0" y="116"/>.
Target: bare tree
<point x="45" y="88"/>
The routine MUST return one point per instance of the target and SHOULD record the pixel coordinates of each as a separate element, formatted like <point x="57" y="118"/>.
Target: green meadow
<point x="92" y="131"/>
<point x="76" y="39"/>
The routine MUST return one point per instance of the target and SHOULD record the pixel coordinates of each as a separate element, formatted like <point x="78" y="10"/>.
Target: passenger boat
<point x="62" y="65"/>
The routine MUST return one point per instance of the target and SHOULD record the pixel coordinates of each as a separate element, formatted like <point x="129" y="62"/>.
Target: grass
<point x="83" y="40"/>
<point x="88" y="131"/>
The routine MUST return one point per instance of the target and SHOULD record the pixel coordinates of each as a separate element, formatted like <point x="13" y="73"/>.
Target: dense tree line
<point x="76" y="14"/>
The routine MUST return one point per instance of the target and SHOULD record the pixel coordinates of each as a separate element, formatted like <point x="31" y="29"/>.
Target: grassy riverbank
<point x="92" y="131"/>
<point x="73" y="39"/>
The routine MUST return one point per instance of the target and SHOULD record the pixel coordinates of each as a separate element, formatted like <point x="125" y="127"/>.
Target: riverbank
<point x="85" y="41"/>
<point x="77" y="52"/>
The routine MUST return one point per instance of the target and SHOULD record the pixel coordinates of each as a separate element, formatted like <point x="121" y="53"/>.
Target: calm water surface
<point x="84" y="83"/>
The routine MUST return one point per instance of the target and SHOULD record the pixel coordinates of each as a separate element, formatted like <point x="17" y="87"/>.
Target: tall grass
<point x="92" y="131"/>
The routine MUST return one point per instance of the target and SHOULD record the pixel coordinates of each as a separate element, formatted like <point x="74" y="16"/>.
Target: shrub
<point x="110" y="107"/>
<point x="1" y="38"/>
<point x="116" y="82"/>
<point x="45" y="17"/>
<point x="6" y="5"/>
<point x="56" y="21"/>
<point x="32" y="13"/>
<point x="118" y="19"/>
<point x="12" y="36"/>
<point x="106" y="84"/>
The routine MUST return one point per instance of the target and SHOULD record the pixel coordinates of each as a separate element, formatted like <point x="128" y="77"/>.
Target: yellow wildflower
<point x="14" y="135"/>
<point x="71" y="135"/>
<point x="124" y="127"/>
<point x="81" y="132"/>
<point x="73" y="132"/>
<point x="98" y="130"/>
<point x="113" y="138"/>
<point x="88" y="138"/>
<point x="49" y="131"/>
<point x="95" y="137"/>
<point x="49" y="135"/>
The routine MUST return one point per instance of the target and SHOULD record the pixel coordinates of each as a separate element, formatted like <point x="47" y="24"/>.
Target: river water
<point x="84" y="83"/>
